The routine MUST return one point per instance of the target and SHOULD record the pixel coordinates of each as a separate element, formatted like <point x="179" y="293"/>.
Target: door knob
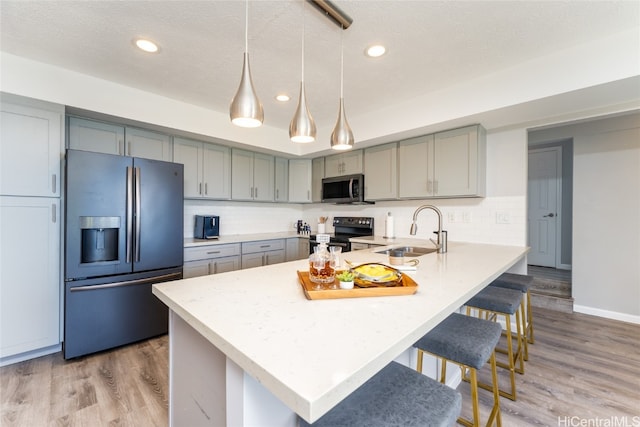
<point x="551" y="215"/>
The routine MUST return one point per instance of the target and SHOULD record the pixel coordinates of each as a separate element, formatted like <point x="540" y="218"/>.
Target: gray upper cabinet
<point x="252" y="176"/>
<point x="347" y="163"/>
<point x="281" y="193"/>
<point x="300" y="179"/>
<point x="381" y="172"/>
<point x="460" y="162"/>
<point x="89" y="135"/>
<point x="447" y="164"/>
<point x="147" y="144"/>
<point x="30" y="149"/>
<point x="317" y="173"/>
<point x="207" y="168"/>
<point x="99" y="137"/>
<point x="415" y="171"/>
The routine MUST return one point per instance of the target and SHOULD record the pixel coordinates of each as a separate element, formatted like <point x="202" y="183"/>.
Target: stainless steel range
<point x="345" y="228"/>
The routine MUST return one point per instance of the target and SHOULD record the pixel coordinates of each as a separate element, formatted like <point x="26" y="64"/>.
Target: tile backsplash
<point x="499" y="220"/>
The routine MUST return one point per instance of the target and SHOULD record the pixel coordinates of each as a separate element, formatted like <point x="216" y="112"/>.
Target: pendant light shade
<point x="342" y="136"/>
<point x="246" y="109"/>
<point x="302" y="128"/>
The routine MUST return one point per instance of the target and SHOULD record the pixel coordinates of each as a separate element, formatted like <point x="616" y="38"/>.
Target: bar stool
<point x="522" y="283"/>
<point x="491" y="302"/>
<point x="395" y="396"/>
<point x="468" y="342"/>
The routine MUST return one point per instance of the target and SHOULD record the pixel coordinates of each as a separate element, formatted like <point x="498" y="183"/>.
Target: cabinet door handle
<point x="213" y="252"/>
<point x="308" y="195"/>
<point x="200" y="189"/>
<point x="206" y="189"/>
<point x="277" y="193"/>
<point x="435" y="187"/>
<point x="264" y="246"/>
<point x="251" y="192"/>
<point x="266" y="257"/>
<point x="53" y="183"/>
<point x="256" y="193"/>
<point x="215" y="267"/>
<point x="53" y="213"/>
<point x="208" y="268"/>
<point x="129" y="148"/>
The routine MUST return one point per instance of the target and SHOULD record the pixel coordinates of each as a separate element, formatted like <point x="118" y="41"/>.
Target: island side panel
<point x="197" y="372"/>
<point x="208" y="389"/>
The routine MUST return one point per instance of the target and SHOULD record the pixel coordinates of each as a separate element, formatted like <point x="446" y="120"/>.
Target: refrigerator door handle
<point x="156" y="279"/>
<point x="138" y="206"/>
<point x="129" y="236"/>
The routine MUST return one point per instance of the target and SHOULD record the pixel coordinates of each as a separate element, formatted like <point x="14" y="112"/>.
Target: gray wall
<point x="606" y="213"/>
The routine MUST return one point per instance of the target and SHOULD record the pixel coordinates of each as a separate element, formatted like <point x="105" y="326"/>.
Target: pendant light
<point x="342" y="136"/>
<point x="246" y="109"/>
<point x="302" y="128"/>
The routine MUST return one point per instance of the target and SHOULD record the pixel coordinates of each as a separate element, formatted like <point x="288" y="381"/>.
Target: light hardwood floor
<point x="581" y="368"/>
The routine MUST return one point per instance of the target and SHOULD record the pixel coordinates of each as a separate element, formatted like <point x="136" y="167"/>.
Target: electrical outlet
<point x="466" y="217"/>
<point x="451" y="217"/>
<point x="503" y="218"/>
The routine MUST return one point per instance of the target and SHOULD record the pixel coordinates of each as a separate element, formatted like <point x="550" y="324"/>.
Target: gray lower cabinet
<point x="211" y="259"/>
<point x="297" y="248"/>
<point x="263" y="252"/>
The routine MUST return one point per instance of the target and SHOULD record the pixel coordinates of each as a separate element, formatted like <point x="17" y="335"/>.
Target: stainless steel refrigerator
<point x="123" y="233"/>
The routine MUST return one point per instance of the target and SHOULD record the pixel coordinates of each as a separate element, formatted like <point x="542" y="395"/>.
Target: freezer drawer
<point x="101" y="315"/>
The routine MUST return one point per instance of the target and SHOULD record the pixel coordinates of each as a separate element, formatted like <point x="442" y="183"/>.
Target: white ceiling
<point x="431" y="45"/>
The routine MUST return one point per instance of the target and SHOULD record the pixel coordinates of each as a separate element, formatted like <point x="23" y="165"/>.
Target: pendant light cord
<point x="303" y="28"/>
<point x="246" y="27"/>
<point x="342" y="61"/>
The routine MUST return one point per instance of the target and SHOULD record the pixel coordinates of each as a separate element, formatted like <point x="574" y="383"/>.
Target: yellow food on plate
<point x="377" y="273"/>
<point x="373" y="270"/>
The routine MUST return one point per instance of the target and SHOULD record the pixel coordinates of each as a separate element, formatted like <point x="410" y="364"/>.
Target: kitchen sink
<point x="409" y="251"/>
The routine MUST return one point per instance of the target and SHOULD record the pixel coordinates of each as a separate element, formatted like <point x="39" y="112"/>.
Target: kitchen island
<point x="247" y="348"/>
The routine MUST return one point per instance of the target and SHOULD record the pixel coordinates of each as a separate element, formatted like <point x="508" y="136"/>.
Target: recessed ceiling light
<point x="375" y="51"/>
<point x="146" y="45"/>
<point x="282" y="97"/>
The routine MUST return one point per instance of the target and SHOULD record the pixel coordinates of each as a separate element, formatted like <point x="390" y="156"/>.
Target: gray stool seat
<point x="395" y="396"/>
<point x="468" y="342"/>
<point x="493" y="298"/>
<point x="518" y="282"/>
<point x="522" y="283"/>
<point x="496" y="301"/>
<point x="462" y="339"/>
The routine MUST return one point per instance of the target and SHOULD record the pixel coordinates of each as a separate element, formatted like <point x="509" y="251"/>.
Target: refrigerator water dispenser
<point x="99" y="238"/>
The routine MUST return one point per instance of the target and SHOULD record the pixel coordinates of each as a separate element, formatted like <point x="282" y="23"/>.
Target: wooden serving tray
<point x="408" y="287"/>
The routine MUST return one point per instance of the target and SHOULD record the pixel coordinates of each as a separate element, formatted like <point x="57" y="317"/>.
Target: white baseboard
<point x="614" y="315"/>
<point x="9" y="360"/>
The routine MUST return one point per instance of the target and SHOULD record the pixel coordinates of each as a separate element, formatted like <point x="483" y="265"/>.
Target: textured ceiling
<point x="431" y="45"/>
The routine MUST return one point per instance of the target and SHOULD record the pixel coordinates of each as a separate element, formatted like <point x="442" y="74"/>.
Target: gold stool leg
<point x="495" y="411"/>
<point x="530" y="337"/>
<point x="523" y="321"/>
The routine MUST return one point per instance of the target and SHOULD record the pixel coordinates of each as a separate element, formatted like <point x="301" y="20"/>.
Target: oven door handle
<point x="344" y="245"/>
<point x="351" y="188"/>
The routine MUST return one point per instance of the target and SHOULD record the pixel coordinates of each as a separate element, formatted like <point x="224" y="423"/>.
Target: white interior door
<point x="544" y="190"/>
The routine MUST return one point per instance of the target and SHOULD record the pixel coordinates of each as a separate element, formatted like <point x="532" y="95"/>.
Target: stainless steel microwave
<point x="343" y="189"/>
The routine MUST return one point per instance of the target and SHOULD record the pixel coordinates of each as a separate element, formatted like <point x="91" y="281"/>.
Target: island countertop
<point x="312" y="354"/>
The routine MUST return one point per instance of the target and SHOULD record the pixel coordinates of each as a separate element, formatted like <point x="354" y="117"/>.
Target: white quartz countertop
<point x="312" y="354"/>
<point x="240" y="238"/>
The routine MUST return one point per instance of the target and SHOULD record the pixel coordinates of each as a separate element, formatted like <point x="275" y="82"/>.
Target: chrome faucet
<point x="441" y="243"/>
